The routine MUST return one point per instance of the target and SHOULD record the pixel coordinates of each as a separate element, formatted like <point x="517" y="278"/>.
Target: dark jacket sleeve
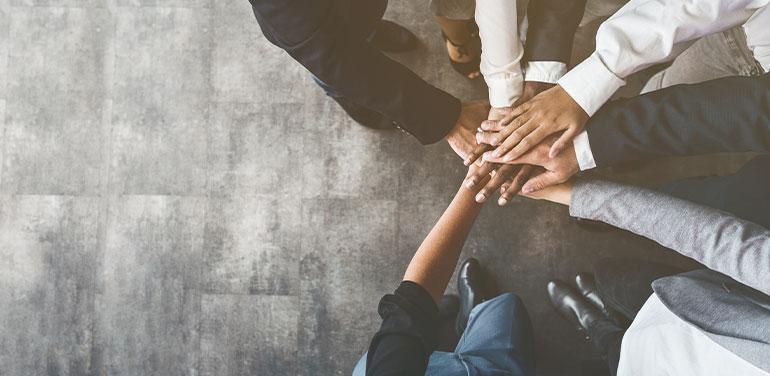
<point x="408" y="333"/>
<point x="314" y="34"/>
<point x="551" y="30"/>
<point x="725" y="115"/>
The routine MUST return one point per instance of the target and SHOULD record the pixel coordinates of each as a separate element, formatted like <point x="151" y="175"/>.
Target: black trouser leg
<point x="745" y="194"/>
<point x="624" y="286"/>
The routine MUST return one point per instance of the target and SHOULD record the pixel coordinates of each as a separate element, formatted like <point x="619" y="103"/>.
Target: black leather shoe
<point x="572" y="306"/>
<point x="391" y="37"/>
<point x="470" y="288"/>
<point x="587" y="285"/>
<point x="364" y="116"/>
<point x="594" y="226"/>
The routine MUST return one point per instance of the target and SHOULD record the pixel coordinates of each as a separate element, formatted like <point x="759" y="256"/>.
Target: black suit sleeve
<point x="408" y="333"/>
<point x="551" y="30"/>
<point x="314" y="34"/>
<point x="725" y="115"/>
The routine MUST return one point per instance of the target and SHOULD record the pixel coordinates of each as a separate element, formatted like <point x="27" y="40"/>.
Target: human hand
<point x="531" y="89"/>
<point x="560" y="193"/>
<point x="547" y="113"/>
<point x="462" y="137"/>
<point x="509" y="178"/>
<point x="557" y="170"/>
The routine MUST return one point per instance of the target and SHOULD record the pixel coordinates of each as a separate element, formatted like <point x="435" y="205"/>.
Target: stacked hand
<point x="536" y="131"/>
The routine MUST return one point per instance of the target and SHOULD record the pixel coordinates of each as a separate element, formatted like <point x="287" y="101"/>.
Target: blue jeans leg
<point x="497" y="341"/>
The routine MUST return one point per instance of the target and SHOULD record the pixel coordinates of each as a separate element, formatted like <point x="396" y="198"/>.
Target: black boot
<point x="470" y="288"/>
<point x="391" y="37"/>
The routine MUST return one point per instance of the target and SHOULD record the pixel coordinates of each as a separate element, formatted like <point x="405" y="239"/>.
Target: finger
<point x="515" y="113"/>
<point x="542" y="181"/>
<point x="481" y="172"/>
<point x="502" y="111"/>
<point x="486" y="138"/>
<point x="477" y="152"/>
<point x="514" y="138"/>
<point x="528" y="142"/>
<point x="512" y="189"/>
<point x="503" y="174"/>
<point x="492" y="125"/>
<point x="559" y="145"/>
<point x="503" y="132"/>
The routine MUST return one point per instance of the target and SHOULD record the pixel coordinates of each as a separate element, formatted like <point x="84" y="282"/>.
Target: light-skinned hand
<point x="462" y="137"/>
<point x="550" y="112"/>
<point x="531" y="89"/>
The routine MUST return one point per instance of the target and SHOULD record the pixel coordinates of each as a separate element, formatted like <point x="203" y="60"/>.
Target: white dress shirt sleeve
<point x="583" y="152"/>
<point x="545" y="71"/>
<point x="757" y="30"/>
<point x="501" y="51"/>
<point x="643" y="33"/>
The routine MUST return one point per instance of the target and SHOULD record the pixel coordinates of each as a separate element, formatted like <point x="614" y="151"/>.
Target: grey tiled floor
<point x="177" y="197"/>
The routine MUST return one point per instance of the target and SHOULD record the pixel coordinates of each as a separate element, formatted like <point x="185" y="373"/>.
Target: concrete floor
<point x="178" y="197"/>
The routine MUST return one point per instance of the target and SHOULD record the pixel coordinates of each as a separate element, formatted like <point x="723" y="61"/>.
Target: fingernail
<point x="479" y="130"/>
<point x="493" y="141"/>
<point x="497" y="153"/>
<point x="502" y="201"/>
<point x="480" y="198"/>
<point x="471" y="183"/>
<point x="526" y="190"/>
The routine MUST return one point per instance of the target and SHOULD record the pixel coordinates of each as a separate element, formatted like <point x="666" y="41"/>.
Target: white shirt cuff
<point x="545" y="71"/>
<point x="583" y="152"/>
<point x="504" y="89"/>
<point x="591" y="84"/>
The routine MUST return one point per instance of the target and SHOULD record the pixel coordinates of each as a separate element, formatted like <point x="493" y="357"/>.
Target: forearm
<point x="501" y="51"/>
<point x="643" y="33"/>
<point x="435" y="260"/>
<point x="722" y="242"/>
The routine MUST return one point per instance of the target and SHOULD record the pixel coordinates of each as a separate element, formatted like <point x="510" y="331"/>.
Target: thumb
<point x="542" y="181"/>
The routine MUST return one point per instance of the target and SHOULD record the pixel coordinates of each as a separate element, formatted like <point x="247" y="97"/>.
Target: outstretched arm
<point x="409" y="327"/>
<point x="434" y="262"/>
<point x="721" y="241"/>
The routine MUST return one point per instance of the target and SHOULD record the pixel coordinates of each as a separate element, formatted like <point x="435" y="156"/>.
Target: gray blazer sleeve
<point x="722" y="242"/>
<point x="725" y="115"/>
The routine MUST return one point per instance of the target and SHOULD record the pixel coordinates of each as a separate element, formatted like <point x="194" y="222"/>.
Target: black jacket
<point x="724" y="115"/>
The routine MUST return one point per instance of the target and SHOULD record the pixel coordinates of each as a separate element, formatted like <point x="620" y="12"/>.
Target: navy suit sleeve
<point x="551" y="31"/>
<point x="314" y="34"/>
<point x="725" y="115"/>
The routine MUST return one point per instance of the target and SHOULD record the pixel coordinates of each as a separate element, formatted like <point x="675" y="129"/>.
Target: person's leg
<point x="596" y="12"/>
<point x="498" y="338"/>
<point x="714" y="56"/>
<point x="456" y="19"/>
<point x="745" y="194"/>
<point x="624" y="284"/>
